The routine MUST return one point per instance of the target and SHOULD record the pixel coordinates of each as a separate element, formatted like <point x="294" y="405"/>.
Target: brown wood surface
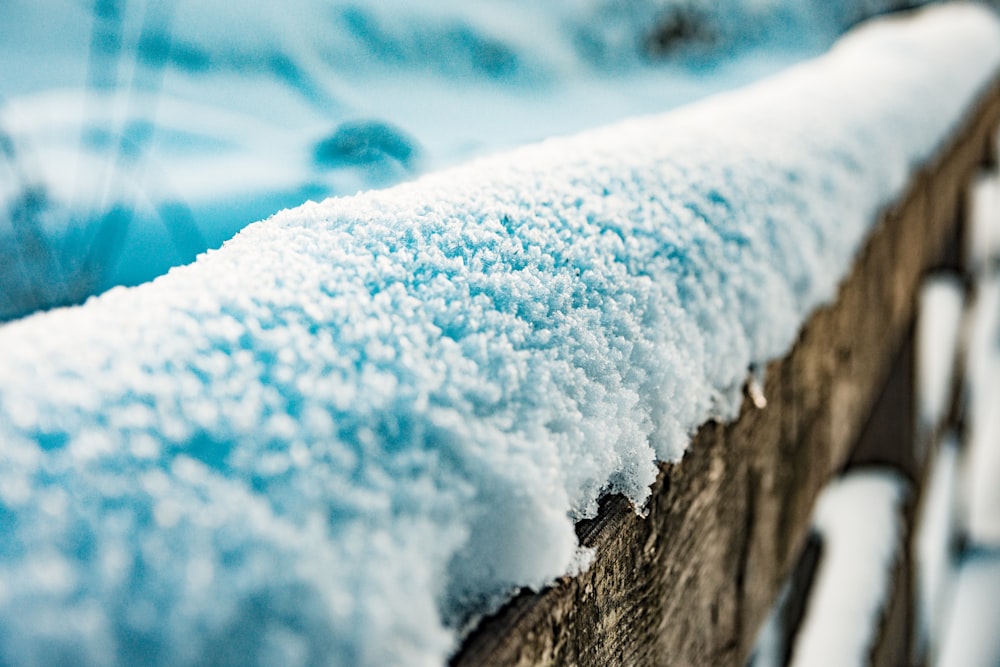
<point x="691" y="583"/>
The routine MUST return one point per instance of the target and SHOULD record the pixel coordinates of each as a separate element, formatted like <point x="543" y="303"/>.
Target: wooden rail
<point x="691" y="583"/>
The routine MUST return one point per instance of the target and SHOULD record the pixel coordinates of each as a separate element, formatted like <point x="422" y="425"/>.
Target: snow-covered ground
<point x="362" y="422"/>
<point x="134" y="135"/>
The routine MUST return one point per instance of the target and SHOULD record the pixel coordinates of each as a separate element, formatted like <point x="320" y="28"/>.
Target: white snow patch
<point x="939" y="320"/>
<point x="983" y="221"/>
<point x="982" y="459"/>
<point x="937" y="527"/>
<point x="969" y="637"/>
<point x="858" y="517"/>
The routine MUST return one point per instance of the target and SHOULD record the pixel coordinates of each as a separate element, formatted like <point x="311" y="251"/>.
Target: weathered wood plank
<point x="690" y="584"/>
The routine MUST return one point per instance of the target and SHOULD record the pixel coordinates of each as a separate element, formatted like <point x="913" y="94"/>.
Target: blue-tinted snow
<point x="365" y="420"/>
<point x="141" y="133"/>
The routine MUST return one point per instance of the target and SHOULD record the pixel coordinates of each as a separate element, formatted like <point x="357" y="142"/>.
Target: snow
<point x="939" y="332"/>
<point x="969" y="636"/>
<point x="983" y="237"/>
<point x="937" y="528"/>
<point x="959" y="590"/>
<point x="939" y="322"/>
<point x="175" y="124"/>
<point x="364" y="421"/>
<point x="982" y="494"/>
<point x="859" y="519"/>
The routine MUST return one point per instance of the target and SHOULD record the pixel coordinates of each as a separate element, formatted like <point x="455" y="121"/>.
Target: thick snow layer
<point x="136" y="134"/>
<point x="363" y="421"/>
<point x="859" y="520"/>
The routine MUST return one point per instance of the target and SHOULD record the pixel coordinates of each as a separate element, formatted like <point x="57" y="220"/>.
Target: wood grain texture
<point x="691" y="583"/>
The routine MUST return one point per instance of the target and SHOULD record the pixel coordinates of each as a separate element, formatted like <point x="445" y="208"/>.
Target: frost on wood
<point x="364" y="421"/>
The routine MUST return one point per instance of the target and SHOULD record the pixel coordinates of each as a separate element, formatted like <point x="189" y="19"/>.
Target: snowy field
<point x="365" y="421"/>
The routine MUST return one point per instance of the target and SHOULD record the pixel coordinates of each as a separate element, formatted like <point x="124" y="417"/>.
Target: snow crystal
<point x="859" y="519"/>
<point x="363" y="421"/>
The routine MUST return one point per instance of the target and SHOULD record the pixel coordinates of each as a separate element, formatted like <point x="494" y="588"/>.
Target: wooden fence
<point x="692" y="583"/>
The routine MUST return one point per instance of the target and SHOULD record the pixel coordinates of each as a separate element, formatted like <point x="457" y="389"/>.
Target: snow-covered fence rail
<point x="364" y="422"/>
<point x="691" y="583"/>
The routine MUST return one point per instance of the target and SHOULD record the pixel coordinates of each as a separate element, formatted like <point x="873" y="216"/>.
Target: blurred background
<point x="135" y="134"/>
